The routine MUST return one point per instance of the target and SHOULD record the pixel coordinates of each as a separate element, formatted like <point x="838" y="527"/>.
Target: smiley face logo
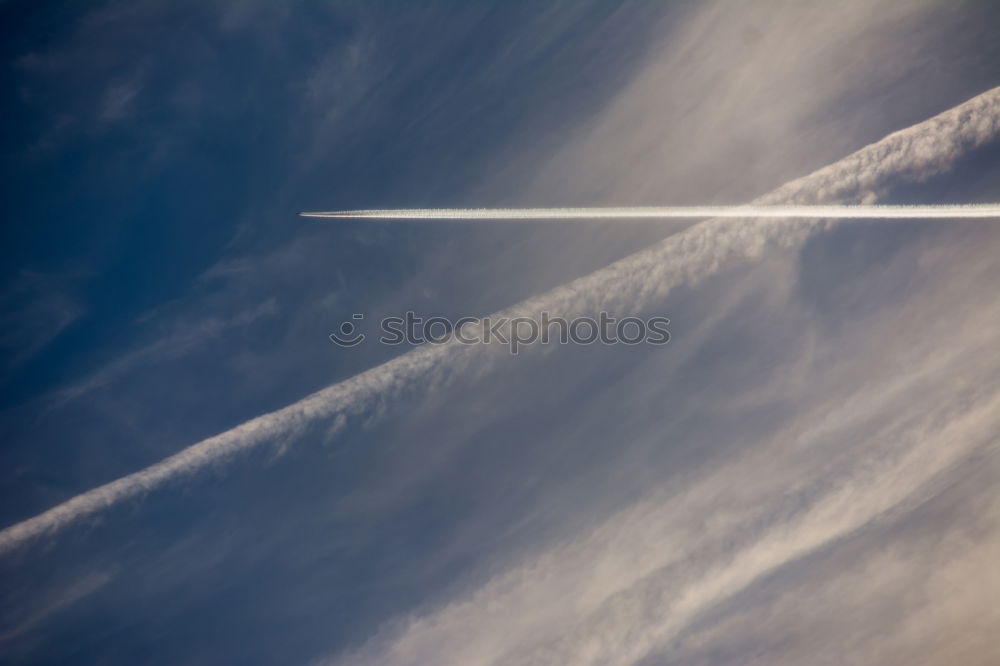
<point x="347" y="335"/>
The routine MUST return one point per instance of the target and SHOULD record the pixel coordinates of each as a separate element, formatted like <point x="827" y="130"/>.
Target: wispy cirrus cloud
<point x="686" y="258"/>
<point x="644" y="577"/>
<point x="34" y="611"/>
<point x="186" y="337"/>
<point x="37" y="309"/>
<point x="895" y="424"/>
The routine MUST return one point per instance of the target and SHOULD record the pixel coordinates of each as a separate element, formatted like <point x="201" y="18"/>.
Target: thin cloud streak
<point x="879" y="212"/>
<point x="912" y="154"/>
<point x="642" y="577"/>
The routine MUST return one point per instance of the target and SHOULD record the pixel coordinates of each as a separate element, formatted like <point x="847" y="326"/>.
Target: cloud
<point x="183" y="339"/>
<point x="33" y="611"/>
<point x="896" y="423"/>
<point x="37" y="309"/>
<point x="903" y="596"/>
<point x="642" y="578"/>
<point x="119" y="99"/>
<point x="686" y="258"/>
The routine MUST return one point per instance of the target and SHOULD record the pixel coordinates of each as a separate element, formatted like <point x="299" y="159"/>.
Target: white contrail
<point x="938" y="211"/>
<point x="909" y="155"/>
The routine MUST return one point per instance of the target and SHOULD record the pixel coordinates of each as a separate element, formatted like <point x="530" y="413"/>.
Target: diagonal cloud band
<point x="909" y="155"/>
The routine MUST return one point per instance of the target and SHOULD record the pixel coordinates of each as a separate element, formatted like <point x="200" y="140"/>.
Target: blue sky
<point x="804" y="473"/>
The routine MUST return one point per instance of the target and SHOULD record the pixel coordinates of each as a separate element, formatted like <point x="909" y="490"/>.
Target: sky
<point x="193" y="473"/>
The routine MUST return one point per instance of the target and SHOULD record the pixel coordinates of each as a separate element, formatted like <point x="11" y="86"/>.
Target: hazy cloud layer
<point x="889" y="429"/>
<point x="915" y="153"/>
<point x="806" y="473"/>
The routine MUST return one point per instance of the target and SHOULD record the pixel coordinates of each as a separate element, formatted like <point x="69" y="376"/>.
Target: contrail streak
<point x="939" y="211"/>
<point x="909" y="155"/>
